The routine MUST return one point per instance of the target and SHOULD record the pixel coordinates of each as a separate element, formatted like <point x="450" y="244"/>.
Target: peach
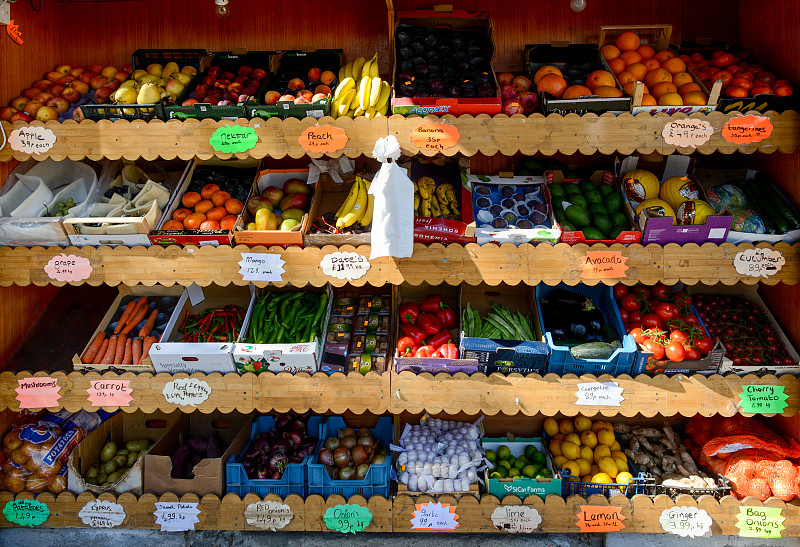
<point x="286" y="97"/>
<point x="327" y="77"/>
<point x="306" y="94"/>
<point x="296" y="84"/>
<point x="271" y="97"/>
<point x="258" y="74"/>
<point x="325" y="90"/>
<point x="314" y="74"/>
<point x="319" y="97"/>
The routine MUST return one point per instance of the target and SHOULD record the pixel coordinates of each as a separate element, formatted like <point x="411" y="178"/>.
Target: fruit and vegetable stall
<point x="592" y="326"/>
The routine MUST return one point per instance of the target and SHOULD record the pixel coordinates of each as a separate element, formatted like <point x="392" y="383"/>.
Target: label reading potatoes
<point x="68" y="268"/>
<point x="760" y="522"/>
<point x="26" y="512"/>
<point x="186" y="391"/>
<point x="102" y="514"/>
<point x="323" y="139"/>
<point x="110" y="393"/>
<point x="747" y="129"/>
<point x="32" y="140"/>
<point x="261" y="267"/>
<point x="685" y="521"/>
<point x="347" y="518"/>
<point x="603" y="265"/>
<point x="434" y="516"/>
<point x="763" y="399"/>
<point x="233" y="138"/>
<point x="516" y="519"/>
<point x="345" y="265"/>
<point x="687" y="132"/>
<point x="38" y="392"/>
<point x="176" y="516"/>
<point x="758" y="262"/>
<point x="598" y="518"/>
<point x="599" y="394"/>
<point x="434" y="137"/>
<point x="268" y="515"/>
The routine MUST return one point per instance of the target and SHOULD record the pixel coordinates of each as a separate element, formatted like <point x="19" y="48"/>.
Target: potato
<point x="109" y="467"/>
<point x="15" y="484"/>
<point x="120" y="460"/>
<point x="57" y="484"/>
<point x="108" y="451"/>
<point x="35" y="483"/>
<point x="137" y="445"/>
<point x="114" y="477"/>
<point x="18" y="457"/>
<point x="93" y="471"/>
<point x="132" y="457"/>
<point x="11" y="442"/>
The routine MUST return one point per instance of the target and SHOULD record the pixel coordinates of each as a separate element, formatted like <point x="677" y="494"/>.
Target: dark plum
<point x="483" y="202"/>
<point x="486" y="91"/>
<point x="522" y="210"/>
<point x="499" y="223"/>
<point x="405" y="76"/>
<point x="408" y="88"/>
<point x="430" y="40"/>
<point x="418" y="46"/>
<point x="519" y="196"/>
<point x="483" y="78"/>
<point x="477" y="61"/>
<point x="417" y="60"/>
<point x="507" y="191"/>
<point x="459" y="43"/>
<point x="463" y="65"/>
<point x="403" y="37"/>
<point x="422" y="69"/>
<point x="483" y="190"/>
<point x="422" y="94"/>
<point x="454" y="91"/>
<point x="405" y="52"/>
<point x="406" y="64"/>
<point x="468" y="86"/>
<point x="496" y="209"/>
<point x="525" y="224"/>
<point x="437" y="86"/>
<point x="508" y="203"/>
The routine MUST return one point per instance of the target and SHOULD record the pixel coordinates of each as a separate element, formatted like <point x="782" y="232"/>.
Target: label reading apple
<point x="322" y="139"/>
<point x="32" y="140"/>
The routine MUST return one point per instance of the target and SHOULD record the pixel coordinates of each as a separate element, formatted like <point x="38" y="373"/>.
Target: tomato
<point x="620" y="290"/>
<point x="623" y="313"/>
<point x="637" y="335"/>
<point x="677" y="336"/>
<point x="666" y="311"/>
<point x="635" y="325"/>
<point x="704" y="345"/>
<point x="636" y="317"/>
<point x="788" y="361"/>
<point x="660" y="291"/>
<point x="630" y="303"/>
<point x="691" y="319"/>
<point x="641" y="291"/>
<point x="652" y="304"/>
<point x="735" y="91"/>
<point x="682" y="300"/>
<point x="655" y="348"/>
<point x="675" y="352"/>
<point x="692" y="354"/>
<point x="651" y="321"/>
<point x="768" y="77"/>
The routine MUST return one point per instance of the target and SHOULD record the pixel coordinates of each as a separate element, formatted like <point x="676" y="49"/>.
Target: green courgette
<point x="594" y="350"/>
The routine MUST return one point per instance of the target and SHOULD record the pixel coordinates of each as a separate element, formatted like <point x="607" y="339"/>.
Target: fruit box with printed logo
<point x="288" y="357"/>
<point x="171" y="355"/>
<point x="521" y="486"/>
<point x="662" y="230"/>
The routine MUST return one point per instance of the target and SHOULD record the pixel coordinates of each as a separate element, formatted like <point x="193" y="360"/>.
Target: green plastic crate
<point x="524" y="486"/>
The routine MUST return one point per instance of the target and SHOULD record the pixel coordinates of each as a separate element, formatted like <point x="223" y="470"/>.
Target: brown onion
<point x="346" y="431"/>
<point x="325" y="457"/>
<point x="367" y="442"/>
<point x="341" y="456"/>
<point x="332" y="443"/>
<point x="361" y="471"/>
<point x="379" y="459"/>
<point x="346" y="473"/>
<point x="363" y="432"/>
<point x="348" y="441"/>
<point x="335" y="473"/>
<point x="359" y="455"/>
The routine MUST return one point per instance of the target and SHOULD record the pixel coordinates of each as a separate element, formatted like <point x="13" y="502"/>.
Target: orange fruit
<point x="575" y="91"/>
<point x="662" y="88"/>
<point x="209" y="225"/>
<point x="651" y="64"/>
<point x="649" y="100"/>
<point x="209" y="190"/>
<point x="219" y="198"/>
<point x="547" y="69"/>
<point x="638" y="70"/>
<point x="609" y="51"/>
<point x="626" y="77"/>
<point x="688" y="88"/>
<point x="553" y="84"/>
<point x="675" y="65"/>
<point x="234" y="206"/>
<point x="656" y="77"/>
<point x="190" y="199"/>
<point x="607" y="91"/>
<point x="616" y="65"/>
<point x="631" y="86"/>
<point x="228" y="222"/>
<point x="628" y="41"/>
<point x="670" y="99"/>
<point x="695" y="98"/>
<point x="172" y="225"/>
<point x="217" y="213"/>
<point x="181" y="214"/>
<point x="663" y="55"/>
<point x="598" y="78"/>
<point x="204" y="206"/>
<point x="646" y="51"/>
<point x="194" y="221"/>
<point x="630" y="57"/>
<point x="680" y="78"/>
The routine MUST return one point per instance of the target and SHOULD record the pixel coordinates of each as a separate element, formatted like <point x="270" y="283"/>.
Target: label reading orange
<point x="434" y="137"/>
<point x="323" y="138"/>
<point x="687" y="132"/>
<point x="596" y="518"/>
<point x="747" y="129"/>
<point x="603" y="265"/>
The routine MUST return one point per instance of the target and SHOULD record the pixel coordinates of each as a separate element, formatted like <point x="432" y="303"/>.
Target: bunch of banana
<point x="361" y="92"/>
<point x="357" y="207"/>
<point x="435" y="201"/>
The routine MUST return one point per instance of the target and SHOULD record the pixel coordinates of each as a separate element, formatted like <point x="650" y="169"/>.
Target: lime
<point x="529" y="471"/>
<point x="503" y="463"/>
<point x="521" y="463"/>
<point x="514" y="473"/>
<point x="538" y="459"/>
<point x="530" y="450"/>
<point x="512" y="460"/>
<point x="491" y="455"/>
<point x="544" y="474"/>
<point x="503" y="452"/>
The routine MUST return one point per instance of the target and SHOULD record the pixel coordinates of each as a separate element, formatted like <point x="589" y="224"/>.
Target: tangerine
<point x="545" y="70"/>
<point x="607" y="91"/>
<point x="204" y="206"/>
<point x="234" y="206"/>
<point x="190" y="199"/>
<point x="609" y="51"/>
<point x="649" y="100"/>
<point x="663" y="55"/>
<point x="638" y="70"/>
<point x="657" y="76"/>
<point x="695" y="98"/>
<point x="219" y="198"/>
<point x="181" y="214"/>
<point x="688" y="88"/>
<point x="217" y="213"/>
<point x="598" y="78"/>
<point x="575" y="91"/>
<point x="646" y="51"/>
<point x="209" y="225"/>
<point x="553" y="84"/>
<point x="630" y="87"/>
<point x="681" y="78"/>
<point x="209" y="190"/>
<point x="670" y="99"/>
<point x="674" y="65"/>
<point x="630" y="57"/>
<point x="652" y="64"/>
<point x="662" y="88"/>
<point x="616" y="65"/>
<point x="628" y="41"/>
<point x="194" y="221"/>
<point x="228" y="222"/>
<point x="172" y="225"/>
<point x="626" y="77"/>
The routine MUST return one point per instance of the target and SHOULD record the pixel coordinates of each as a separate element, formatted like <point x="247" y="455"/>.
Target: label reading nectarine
<point x="687" y="132"/>
<point x="747" y="129"/>
<point x="233" y="138"/>
<point x="322" y="139"/>
<point x="434" y="137"/>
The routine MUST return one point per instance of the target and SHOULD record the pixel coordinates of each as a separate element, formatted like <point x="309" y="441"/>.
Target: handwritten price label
<point x="599" y="394"/>
<point x="261" y="267"/>
<point x="603" y="265"/>
<point x="347" y="518"/>
<point x="14" y="33"/>
<point x="68" y="268"/>
<point x="687" y="132"/>
<point x="186" y="391"/>
<point x="233" y="138"/>
<point x="758" y="262"/>
<point x="434" y="137"/>
<point x="102" y="514"/>
<point x="176" y="516"/>
<point x="686" y="521"/>
<point x="516" y="519"/>
<point x="747" y="129"/>
<point x="26" y="512"/>
<point x="763" y="399"/>
<point x="345" y="265"/>
<point x="323" y="139"/>
<point x="38" y="392"/>
<point x="32" y="140"/>
<point x="268" y="515"/>
<point x="110" y="393"/>
<point x="594" y="518"/>
<point x="760" y="522"/>
<point x="434" y="516"/>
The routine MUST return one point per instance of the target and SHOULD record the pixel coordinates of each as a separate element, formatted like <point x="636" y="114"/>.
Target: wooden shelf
<point x="434" y="264"/>
<point x="558" y="515"/>
<point x="396" y="393"/>
<point x="569" y="134"/>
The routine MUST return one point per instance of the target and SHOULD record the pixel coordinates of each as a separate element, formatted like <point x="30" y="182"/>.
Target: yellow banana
<point x="436" y="211"/>
<point x="366" y="70"/>
<point x="374" y="91"/>
<point x="417" y="199"/>
<point x="355" y="102"/>
<point x="370" y="113"/>
<point x="344" y="103"/>
<point x="350" y="200"/>
<point x="342" y="73"/>
<point x="384" y="110"/>
<point x="344" y="86"/>
<point x="355" y="70"/>
<point x="358" y="209"/>
<point x="363" y="92"/>
<point x="383" y="98"/>
<point x="374" y="68"/>
<point x="359" y="111"/>
<point x="366" y="220"/>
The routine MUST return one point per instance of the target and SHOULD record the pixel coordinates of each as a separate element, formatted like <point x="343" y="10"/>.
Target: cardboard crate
<point x="329" y="196"/>
<point x="171" y="356"/>
<point x="444" y="230"/>
<point x="521" y="486"/>
<point x="120" y="428"/>
<point x="231" y="430"/>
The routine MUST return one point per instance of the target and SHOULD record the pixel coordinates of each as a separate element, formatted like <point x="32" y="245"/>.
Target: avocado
<point x="602" y="223"/>
<point x="557" y="203"/>
<point x="596" y="208"/>
<point x="606" y="189"/>
<point x="615" y="232"/>
<point x="567" y="226"/>
<point x="532" y="164"/>
<point x="619" y="220"/>
<point x="570" y="188"/>
<point x="559" y="214"/>
<point x="579" y="200"/>
<point x="554" y="165"/>
<point x="593" y="196"/>
<point x="593" y="233"/>
<point x="577" y="215"/>
<point x="613" y="203"/>
<point x="587" y="186"/>
<point x="556" y="190"/>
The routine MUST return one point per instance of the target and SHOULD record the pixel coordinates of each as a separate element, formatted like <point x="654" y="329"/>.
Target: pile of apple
<point x="279" y="208"/>
<point x="61" y="89"/>
<point x="516" y="94"/>
<point x="154" y="84"/>
<point x="299" y="91"/>
<point x="224" y="88"/>
<point x="739" y="78"/>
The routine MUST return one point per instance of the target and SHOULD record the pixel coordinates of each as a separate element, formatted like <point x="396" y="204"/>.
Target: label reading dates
<point x="345" y="265"/>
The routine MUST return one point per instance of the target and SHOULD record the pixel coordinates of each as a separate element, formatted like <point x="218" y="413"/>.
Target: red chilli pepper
<point x="406" y="346"/>
<point x="415" y="333"/>
<point x="432" y="304"/>
<point x="441" y="338"/>
<point x="449" y="351"/>
<point x="409" y="312"/>
<point x="447" y="317"/>
<point x="429" y="323"/>
<point x="424" y="351"/>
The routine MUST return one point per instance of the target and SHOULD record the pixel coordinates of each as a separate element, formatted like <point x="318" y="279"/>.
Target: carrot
<point x="135" y="319"/>
<point x="127" y="358"/>
<point x="108" y="358"/>
<point x="141" y="301"/>
<point x="120" y="350"/>
<point x="125" y="315"/>
<point x="148" y="343"/>
<point x="93" y="348"/>
<point x="101" y="352"/>
<point x="137" y="351"/>
<point x="145" y="330"/>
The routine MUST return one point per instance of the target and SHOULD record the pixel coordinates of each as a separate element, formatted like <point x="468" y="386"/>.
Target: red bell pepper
<point x="448" y="351"/>
<point x="415" y="333"/>
<point x="409" y="312"/>
<point x="447" y="317"/>
<point x="406" y="346"/>
<point x="429" y="323"/>
<point x="432" y="304"/>
<point x="424" y="351"/>
<point x="441" y="338"/>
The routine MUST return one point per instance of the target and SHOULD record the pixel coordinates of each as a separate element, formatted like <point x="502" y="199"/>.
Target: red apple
<point x="76" y="72"/>
<point x="31" y="92"/>
<point x="21" y="116"/>
<point x="6" y="112"/>
<point x="113" y="84"/>
<point x="214" y="71"/>
<point x="19" y="103"/>
<point x="128" y="68"/>
<point x="295" y="186"/>
<point x="530" y="101"/>
<point x="98" y="82"/>
<point x="57" y="89"/>
<point x="59" y="103"/>
<point x="209" y="80"/>
<point x="80" y="87"/>
<point x="314" y="74"/>
<point x="63" y="69"/>
<point x="258" y="202"/>
<point x="294" y="201"/>
<point x="72" y="96"/>
<point x="225" y="102"/>
<point x="271" y="97"/>
<point x="286" y="97"/>
<point x="43" y="97"/>
<point x="213" y="101"/>
<point x="109" y="72"/>
<point x="245" y="70"/>
<point x="296" y="84"/>
<point x="100" y="95"/>
<point x="53" y="76"/>
<point x="86" y="76"/>
<point x="511" y="107"/>
<point x="505" y="78"/>
<point x="227" y="75"/>
<point x="202" y="90"/>
<point x="46" y="114"/>
<point x="122" y="75"/>
<point x="44" y="85"/>
<point x="258" y="74"/>
<point x="33" y="107"/>
<point x="235" y="87"/>
<point x="189" y="102"/>
<point x="241" y="79"/>
<point x="77" y="115"/>
<point x="64" y="80"/>
<point x="96" y="68"/>
<point x="243" y="98"/>
<point x="318" y="97"/>
<point x="274" y="194"/>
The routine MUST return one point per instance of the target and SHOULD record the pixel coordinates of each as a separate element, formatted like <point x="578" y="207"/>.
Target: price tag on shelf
<point x="345" y="265"/>
<point x="434" y="516"/>
<point x="261" y="267"/>
<point x="347" y="518"/>
<point x="434" y="137"/>
<point x="686" y="521"/>
<point x="102" y="514"/>
<point x="14" y="33"/>
<point x="26" y="512"/>
<point x="747" y="129"/>
<point x="760" y="522"/>
<point x="687" y="132"/>
<point x="268" y="515"/>
<point x="598" y="518"/>
<point x="516" y="519"/>
<point x="110" y="392"/>
<point x="176" y="516"/>
<point x="34" y="139"/>
<point x="186" y="391"/>
<point x="38" y="392"/>
<point x="599" y="394"/>
<point x="322" y="139"/>
<point x="68" y="268"/>
<point x="763" y="399"/>
<point x="758" y="262"/>
<point x="603" y="265"/>
<point x="233" y="138"/>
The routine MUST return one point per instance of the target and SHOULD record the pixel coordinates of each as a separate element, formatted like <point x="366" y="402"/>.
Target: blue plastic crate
<point x="376" y="483"/>
<point x="294" y="479"/>
<point x="562" y="361"/>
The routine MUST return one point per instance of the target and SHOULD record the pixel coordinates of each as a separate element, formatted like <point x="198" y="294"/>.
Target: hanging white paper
<point x="176" y="516"/>
<point x="599" y="394"/>
<point x="261" y="267"/>
<point x="392" y="231"/>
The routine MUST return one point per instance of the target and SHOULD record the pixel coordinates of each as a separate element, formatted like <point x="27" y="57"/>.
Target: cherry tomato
<point x="660" y="291"/>
<point x="641" y="291"/>
<point x="620" y="290"/>
<point x="788" y="361"/>
<point x="637" y="335"/>
<point x="704" y="345"/>
<point x="666" y="311"/>
<point x="652" y="304"/>
<point x="682" y="300"/>
<point x="625" y="315"/>
<point x="651" y="321"/>
<point x="737" y="361"/>
<point x="655" y="348"/>
<point x="635" y="324"/>
<point x="635" y="317"/>
<point x="677" y="336"/>
<point x="630" y="303"/>
<point x="692" y="354"/>
<point x="675" y="352"/>
<point x="777" y="361"/>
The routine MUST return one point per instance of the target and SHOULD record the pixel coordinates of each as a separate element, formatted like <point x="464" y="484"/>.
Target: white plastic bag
<point x="392" y="231"/>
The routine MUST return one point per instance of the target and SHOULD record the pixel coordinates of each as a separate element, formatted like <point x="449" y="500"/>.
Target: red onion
<point x="332" y="443"/>
<point x="294" y="437"/>
<point x="346" y="473"/>
<point x="341" y="456"/>
<point x="325" y="457"/>
<point x="348" y="441"/>
<point x="346" y="431"/>
<point x="364" y="432"/>
<point x="335" y="473"/>
<point x="361" y="471"/>
<point x="359" y="455"/>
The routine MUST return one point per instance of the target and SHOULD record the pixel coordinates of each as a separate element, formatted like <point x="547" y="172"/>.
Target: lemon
<point x="570" y="450"/>
<point x="608" y="466"/>
<point x="605" y="437"/>
<point x="617" y="454"/>
<point x="615" y="446"/>
<point x="622" y="464"/>
<point x="572" y="468"/>
<point x="586" y="478"/>
<point x="624" y="478"/>
<point x="550" y="427"/>
<point x="582" y="423"/>
<point x="584" y="465"/>
<point x="555" y="447"/>
<point x="601" y="424"/>
<point x="573" y="438"/>
<point x="595" y="469"/>
<point x="602" y="478"/>
<point x="587" y="454"/>
<point x="566" y="427"/>
<point x="588" y="438"/>
<point x="559" y="461"/>
<point x="601" y="451"/>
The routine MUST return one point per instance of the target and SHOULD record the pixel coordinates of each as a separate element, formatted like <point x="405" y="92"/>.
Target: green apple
<point x="288" y="224"/>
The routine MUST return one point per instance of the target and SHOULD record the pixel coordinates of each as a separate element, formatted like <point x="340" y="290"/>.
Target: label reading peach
<point x="34" y="139"/>
<point x="13" y="32"/>
<point x="598" y="518"/>
<point x="322" y="139"/>
<point x="38" y="392"/>
<point x="603" y="265"/>
<point x="747" y="129"/>
<point x="68" y="268"/>
<point x="435" y="137"/>
<point x="110" y="393"/>
<point x="687" y="132"/>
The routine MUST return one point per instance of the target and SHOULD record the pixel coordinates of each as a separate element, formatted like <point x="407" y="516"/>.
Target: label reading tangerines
<point x="747" y="129"/>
